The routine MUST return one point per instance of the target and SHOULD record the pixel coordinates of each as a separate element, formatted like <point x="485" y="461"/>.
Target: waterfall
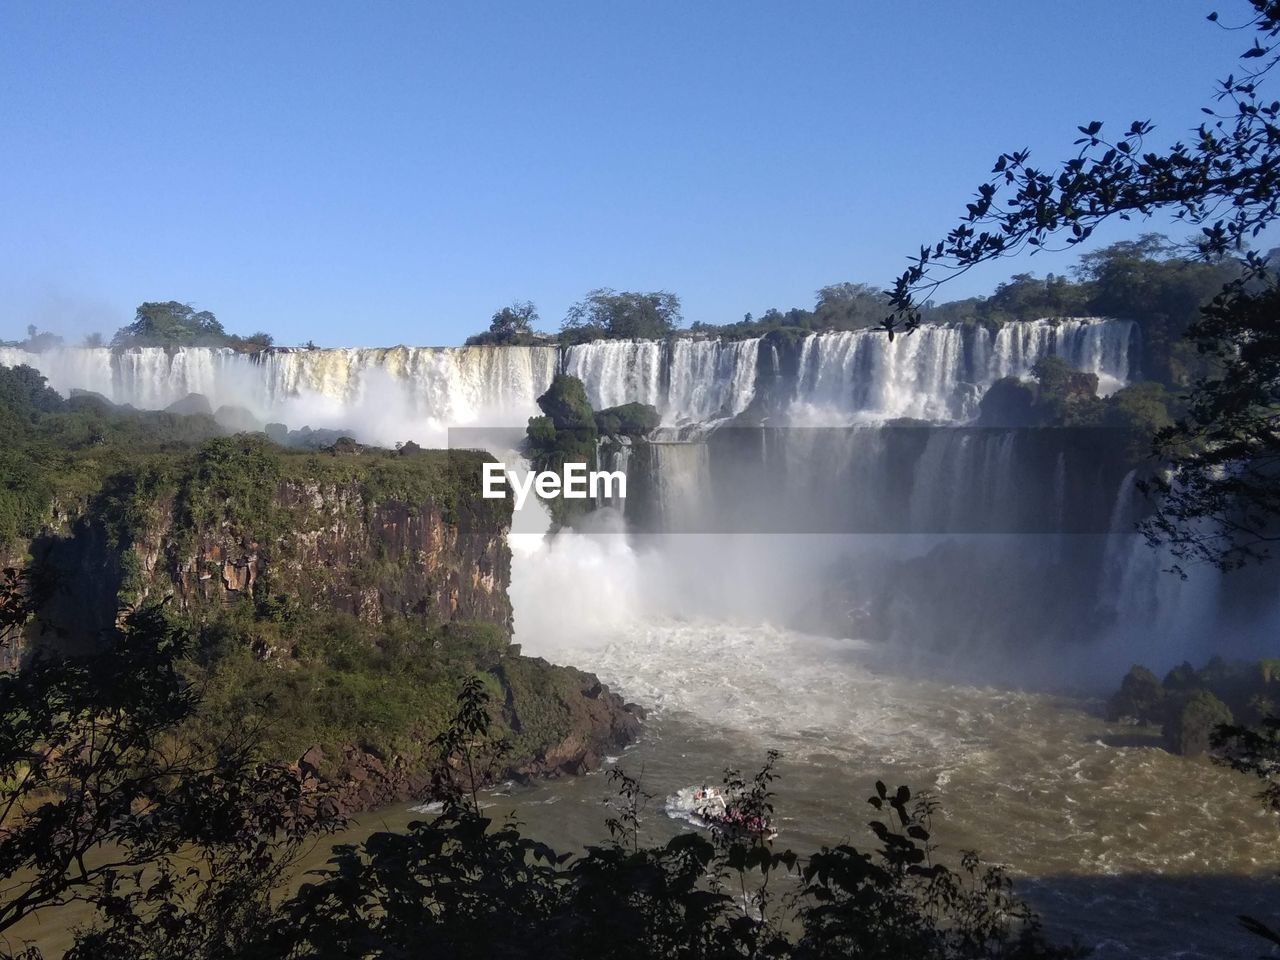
<point x="67" y="369"/>
<point x="615" y="372"/>
<point x="1092" y="345"/>
<point x="683" y="485"/>
<point x="863" y="372"/>
<point x="946" y="487"/>
<point x="939" y="372"/>
<point x="711" y="379"/>
<point x="687" y="380"/>
<point x="384" y="394"/>
<point x="936" y="373"/>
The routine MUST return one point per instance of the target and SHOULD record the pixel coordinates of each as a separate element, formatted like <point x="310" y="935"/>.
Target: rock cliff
<point x="336" y="596"/>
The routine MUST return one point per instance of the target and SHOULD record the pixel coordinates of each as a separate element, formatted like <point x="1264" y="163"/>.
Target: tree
<point x="1149" y="280"/>
<point x="260" y="339"/>
<point x="514" y="320"/>
<point x="1220" y="502"/>
<point x="510" y="325"/>
<point x="608" y="313"/>
<point x="169" y="324"/>
<point x="179" y="848"/>
<point x="38" y="342"/>
<point x="471" y="887"/>
<point x="848" y="306"/>
<point x="93" y="340"/>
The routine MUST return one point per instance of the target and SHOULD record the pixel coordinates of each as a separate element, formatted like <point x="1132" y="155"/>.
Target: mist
<point x="981" y="555"/>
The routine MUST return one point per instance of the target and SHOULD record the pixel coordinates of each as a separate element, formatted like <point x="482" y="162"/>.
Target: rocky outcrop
<point x="267" y="548"/>
<point x="340" y="550"/>
<point x="323" y="544"/>
<point x="592" y="720"/>
<point x="359" y="779"/>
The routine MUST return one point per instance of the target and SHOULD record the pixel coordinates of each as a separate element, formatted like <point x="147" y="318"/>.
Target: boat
<point x="708" y="808"/>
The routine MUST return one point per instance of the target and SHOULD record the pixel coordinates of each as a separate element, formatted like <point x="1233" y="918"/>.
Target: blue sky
<point x="383" y="173"/>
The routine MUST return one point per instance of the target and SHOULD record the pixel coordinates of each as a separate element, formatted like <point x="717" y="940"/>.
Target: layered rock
<point x="595" y="723"/>
<point x="326" y="534"/>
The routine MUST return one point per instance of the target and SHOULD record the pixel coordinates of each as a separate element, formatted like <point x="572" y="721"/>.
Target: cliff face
<point x="340" y="551"/>
<point x="560" y="722"/>
<point x="374" y="534"/>
<point x="340" y="594"/>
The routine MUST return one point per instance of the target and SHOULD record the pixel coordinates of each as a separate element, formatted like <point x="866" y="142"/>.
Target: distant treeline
<point x="1147" y="280"/>
<point x="158" y="324"/>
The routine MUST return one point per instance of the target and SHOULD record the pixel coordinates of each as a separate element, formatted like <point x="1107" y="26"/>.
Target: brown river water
<point x="1136" y="852"/>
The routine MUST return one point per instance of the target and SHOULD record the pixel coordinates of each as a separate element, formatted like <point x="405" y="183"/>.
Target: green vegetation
<point x="319" y="676"/>
<point x="621" y="315"/>
<point x="106" y="803"/>
<point x="1190" y="727"/>
<point x="510" y="326"/>
<point x="571" y="432"/>
<point x="839" y="306"/>
<point x="174" y="324"/>
<point x="57" y="455"/>
<point x="632" y="420"/>
<point x="1189" y="704"/>
<point x="1058" y="396"/>
<point x="328" y="679"/>
<point x="1219" y="503"/>
<point x="200" y="847"/>
<point x="567" y="431"/>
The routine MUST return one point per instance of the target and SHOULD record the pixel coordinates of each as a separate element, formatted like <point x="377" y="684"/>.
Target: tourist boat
<point x="708" y="808"/>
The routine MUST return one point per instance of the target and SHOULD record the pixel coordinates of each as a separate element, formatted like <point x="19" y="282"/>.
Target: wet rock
<point x="193" y="404"/>
<point x="237" y="419"/>
<point x="312" y="761"/>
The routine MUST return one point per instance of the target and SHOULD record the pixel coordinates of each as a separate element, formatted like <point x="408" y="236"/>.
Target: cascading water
<point x="1091" y="345"/>
<point x="383" y="395"/>
<point x="939" y="372"/>
<point x="686" y="380"/>
<point x="946" y="540"/>
<point x="847" y="375"/>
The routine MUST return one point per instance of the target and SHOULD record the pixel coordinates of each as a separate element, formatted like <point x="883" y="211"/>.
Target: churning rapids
<point x="1137" y="852"/>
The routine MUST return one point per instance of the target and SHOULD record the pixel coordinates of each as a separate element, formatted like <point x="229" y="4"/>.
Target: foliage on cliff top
<point x="59" y="452"/>
<point x="567" y="432"/>
<point x="233" y="480"/>
<point x="67" y="453"/>
<point x="173" y="324"/>
<point x="634" y="420"/>
<point x="1058" y="396"/>
<point x="326" y="678"/>
<point x="510" y="326"/>
<point x="613" y="314"/>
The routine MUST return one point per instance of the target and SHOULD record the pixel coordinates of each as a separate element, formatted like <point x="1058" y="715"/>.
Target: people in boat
<point x="712" y="807"/>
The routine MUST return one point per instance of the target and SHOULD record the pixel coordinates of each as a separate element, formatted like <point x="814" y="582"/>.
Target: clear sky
<point x="378" y="173"/>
